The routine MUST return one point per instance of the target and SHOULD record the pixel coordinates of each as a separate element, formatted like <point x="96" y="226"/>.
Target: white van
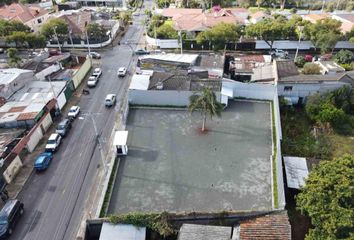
<point x="110" y="100"/>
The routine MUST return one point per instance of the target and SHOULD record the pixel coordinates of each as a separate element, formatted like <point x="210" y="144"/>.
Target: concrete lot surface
<point x="172" y="166"/>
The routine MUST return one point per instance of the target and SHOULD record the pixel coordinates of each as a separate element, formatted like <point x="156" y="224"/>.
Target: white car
<point x="92" y="81"/>
<point x="97" y="72"/>
<point x="53" y="142"/>
<point x="279" y="53"/>
<point x="122" y="71"/>
<point x="94" y="55"/>
<point x="74" y="111"/>
<point x="110" y="100"/>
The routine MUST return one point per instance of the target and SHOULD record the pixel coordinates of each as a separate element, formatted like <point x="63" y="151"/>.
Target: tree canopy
<point x="221" y="34"/>
<point x="327" y="198"/>
<point x="60" y="26"/>
<point x="344" y="56"/>
<point x="324" y="34"/>
<point x="96" y="31"/>
<point x="166" y="31"/>
<point x="9" y="27"/>
<point x="269" y="30"/>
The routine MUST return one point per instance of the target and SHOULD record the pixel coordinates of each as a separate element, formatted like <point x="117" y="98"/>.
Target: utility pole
<point x="180" y="41"/>
<point x="56" y="36"/>
<point x="88" y="44"/>
<point x="99" y="143"/>
<point x="298" y="45"/>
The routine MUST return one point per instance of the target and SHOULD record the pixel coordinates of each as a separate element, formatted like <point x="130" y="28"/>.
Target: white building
<point x="12" y="80"/>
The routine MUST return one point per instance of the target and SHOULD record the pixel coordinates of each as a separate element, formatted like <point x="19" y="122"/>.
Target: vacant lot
<point x="172" y="166"/>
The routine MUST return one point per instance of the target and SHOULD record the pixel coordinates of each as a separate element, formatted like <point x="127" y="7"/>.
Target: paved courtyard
<point x="172" y="166"/>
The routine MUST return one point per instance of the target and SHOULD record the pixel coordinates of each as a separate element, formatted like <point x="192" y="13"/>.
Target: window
<point x="288" y="88"/>
<point x="39" y="20"/>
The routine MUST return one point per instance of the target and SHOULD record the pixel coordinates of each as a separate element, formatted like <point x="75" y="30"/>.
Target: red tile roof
<point x="20" y="12"/>
<point x="177" y="12"/>
<point x="77" y="21"/>
<point x="27" y="116"/>
<point x="269" y="227"/>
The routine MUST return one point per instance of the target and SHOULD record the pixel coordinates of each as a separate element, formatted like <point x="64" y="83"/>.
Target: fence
<point x="83" y="43"/>
<point x="190" y="44"/>
<point x="82" y="72"/>
<point x="269" y="93"/>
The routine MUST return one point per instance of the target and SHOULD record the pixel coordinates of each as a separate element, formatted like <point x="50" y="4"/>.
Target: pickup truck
<point x="279" y="53"/>
<point x="92" y="81"/>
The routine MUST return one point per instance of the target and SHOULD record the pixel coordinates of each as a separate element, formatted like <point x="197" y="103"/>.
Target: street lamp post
<point x="180" y="41"/>
<point x="56" y="36"/>
<point x="298" y="44"/>
<point x="88" y="43"/>
<point x="99" y="143"/>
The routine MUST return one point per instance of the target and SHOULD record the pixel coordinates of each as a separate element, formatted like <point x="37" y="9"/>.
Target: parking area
<point x="171" y="166"/>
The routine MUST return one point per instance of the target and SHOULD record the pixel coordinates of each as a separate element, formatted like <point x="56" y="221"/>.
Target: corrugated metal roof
<point x="122" y="232"/>
<point x="27" y="116"/>
<point x="171" y="57"/>
<point x="139" y="82"/>
<point x="10" y="74"/>
<point x="204" y="232"/>
<point x="296" y="171"/>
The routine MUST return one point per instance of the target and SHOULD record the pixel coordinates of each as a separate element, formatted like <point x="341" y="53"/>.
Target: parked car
<point x="97" y="72"/>
<point x="63" y="127"/>
<point x="2" y="50"/>
<point x="308" y="58"/>
<point x="279" y="53"/>
<point x="9" y="216"/>
<point x="122" y="71"/>
<point x="53" y="142"/>
<point x="110" y="100"/>
<point x="141" y="52"/>
<point x="74" y="112"/>
<point x="94" y="55"/>
<point x="92" y="81"/>
<point x="326" y="57"/>
<point x="42" y="161"/>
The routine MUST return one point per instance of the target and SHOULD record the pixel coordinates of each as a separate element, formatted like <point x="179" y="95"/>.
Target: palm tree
<point x="205" y="102"/>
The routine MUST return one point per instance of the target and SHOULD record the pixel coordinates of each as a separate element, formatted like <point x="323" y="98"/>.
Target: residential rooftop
<point x="21" y="12"/>
<point x="10" y="74"/>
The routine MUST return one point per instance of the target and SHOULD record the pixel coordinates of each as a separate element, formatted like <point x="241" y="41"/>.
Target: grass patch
<point x="108" y="193"/>
<point x="274" y="160"/>
<point x="256" y="9"/>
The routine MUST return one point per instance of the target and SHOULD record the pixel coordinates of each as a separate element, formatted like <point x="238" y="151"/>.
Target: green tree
<point x="206" y="103"/>
<point x="311" y="68"/>
<point x="19" y="38"/>
<point x="323" y="34"/>
<point x="13" y="59"/>
<point x="166" y="31"/>
<point x="8" y="27"/>
<point x="96" y="31"/>
<point x="35" y="40"/>
<point x="268" y="30"/>
<point x="57" y="25"/>
<point x="327" y="198"/>
<point x="344" y="56"/>
<point x="221" y="34"/>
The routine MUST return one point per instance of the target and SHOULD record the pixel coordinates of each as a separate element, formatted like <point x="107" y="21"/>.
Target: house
<point x="77" y="22"/>
<point x="249" y="67"/>
<point x="258" y="16"/>
<point x="194" y="21"/>
<point x="13" y="79"/>
<point x="347" y="21"/>
<point x="330" y="67"/>
<point x="104" y="3"/>
<point x="314" y="17"/>
<point x="31" y="15"/>
<point x="169" y="88"/>
<point x="272" y="226"/>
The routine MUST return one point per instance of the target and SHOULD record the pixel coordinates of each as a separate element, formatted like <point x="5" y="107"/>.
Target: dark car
<point x="63" y="127"/>
<point x="9" y="216"/>
<point x="141" y="52"/>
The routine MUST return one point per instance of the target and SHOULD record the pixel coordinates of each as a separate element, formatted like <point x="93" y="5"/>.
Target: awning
<point x="296" y="171"/>
<point x="120" y="138"/>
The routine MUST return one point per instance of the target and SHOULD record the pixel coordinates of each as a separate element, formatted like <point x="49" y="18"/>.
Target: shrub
<point x="344" y="57"/>
<point x="300" y="61"/>
<point x="311" y="68"/>
<point x="293" y="10"/>
<point x="349" y="7"/>
<point x="347" y="66"/>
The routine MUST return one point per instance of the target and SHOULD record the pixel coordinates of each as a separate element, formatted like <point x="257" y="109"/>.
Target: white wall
<point x="61" y="99"/>
<point x="162" y="43"/>
<point x="304" y="90"/>
<point x="159" y="97"/>
<point x="304" y="45"/>
<point x="12" y="170"/>
<point x="250" y="90"/>
<point x="47" y="71"/>
<point x="34" y="139"/>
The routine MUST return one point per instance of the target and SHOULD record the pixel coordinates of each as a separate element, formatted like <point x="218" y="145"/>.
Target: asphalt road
<point x="54" y="200"/>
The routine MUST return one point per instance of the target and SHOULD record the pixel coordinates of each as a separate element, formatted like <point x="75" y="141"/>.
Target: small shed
<point x="122" y="232"/>
<point x="296" y="171"/>
<point x="120" y="142"/>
